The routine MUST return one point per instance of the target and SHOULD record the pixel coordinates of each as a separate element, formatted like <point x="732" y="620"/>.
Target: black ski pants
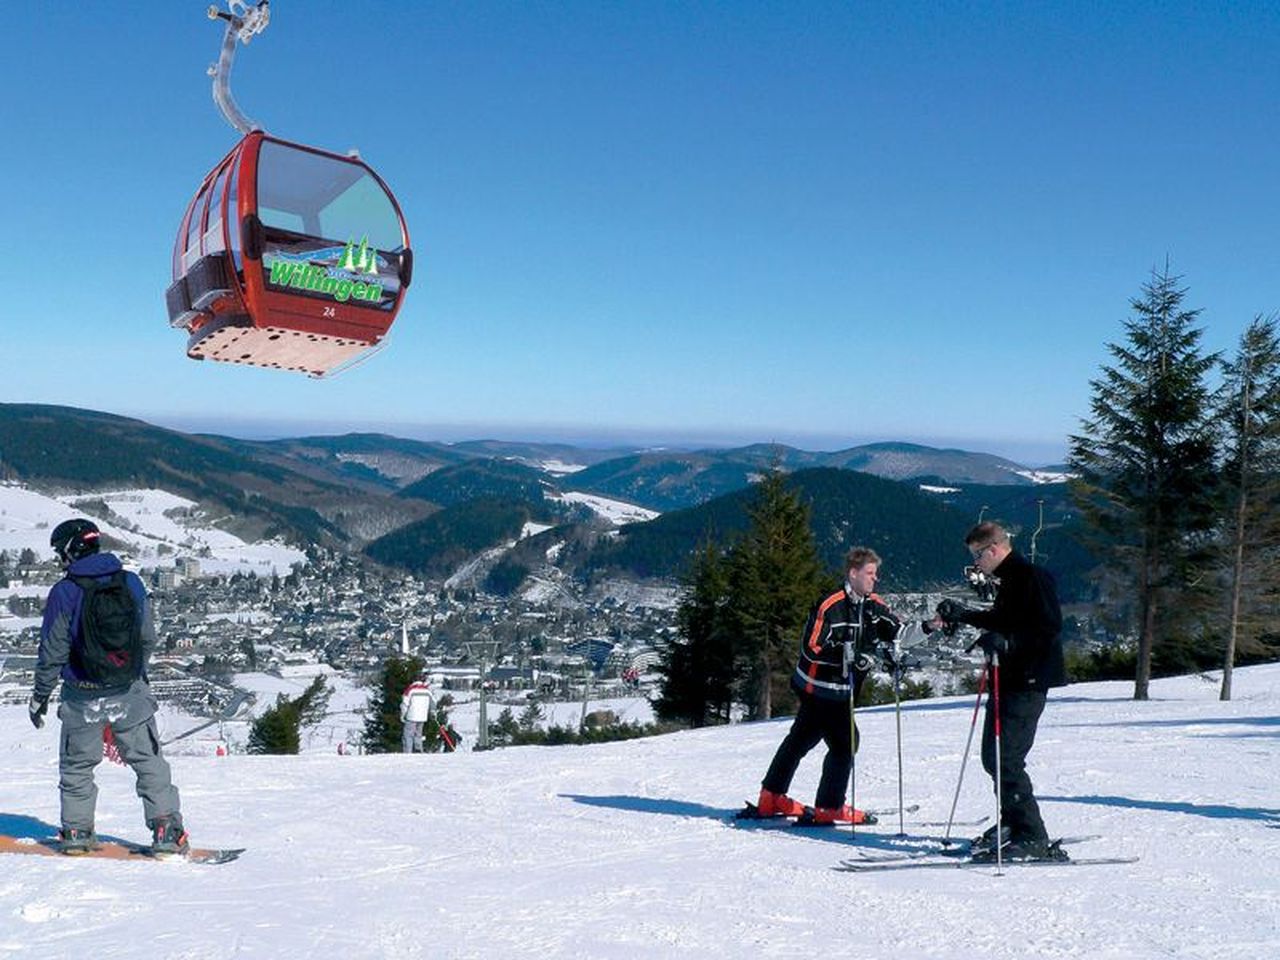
<point x="1019" y="716"/>
<point x="817" y="719"/>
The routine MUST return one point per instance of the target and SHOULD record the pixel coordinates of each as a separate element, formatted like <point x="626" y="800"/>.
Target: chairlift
<point x="288" y="257"/>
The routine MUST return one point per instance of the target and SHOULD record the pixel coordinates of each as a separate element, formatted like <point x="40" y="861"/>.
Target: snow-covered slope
<point x="622" y="850"/>
<point x="157" y="528"/>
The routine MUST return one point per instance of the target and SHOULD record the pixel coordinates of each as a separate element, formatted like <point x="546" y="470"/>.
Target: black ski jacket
<point x="864" y="621"/>
<point x="1026" y="611"/>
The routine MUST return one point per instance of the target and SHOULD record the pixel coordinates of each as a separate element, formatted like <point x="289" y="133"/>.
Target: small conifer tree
<point x="279" y="729"/>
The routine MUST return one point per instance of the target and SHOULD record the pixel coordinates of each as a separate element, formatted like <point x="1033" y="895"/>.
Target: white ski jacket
<point x="415" y="705"/>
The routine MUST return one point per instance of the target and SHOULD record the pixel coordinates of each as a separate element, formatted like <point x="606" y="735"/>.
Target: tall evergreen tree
<point x="1144" y="466"/>
<point x="774" y="577"/>
<point x="383" y="728"/>
<point x="1249" y="412"/>
<point x="697" y="667"/>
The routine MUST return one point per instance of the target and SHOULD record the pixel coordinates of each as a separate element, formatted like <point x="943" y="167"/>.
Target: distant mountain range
<point x="427" y="505"/>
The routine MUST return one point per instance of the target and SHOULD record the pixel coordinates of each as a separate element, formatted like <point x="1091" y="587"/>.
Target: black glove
<point x="951" y="613"/>
<point x="991" y="644"/>
<point x="36" y="709"/>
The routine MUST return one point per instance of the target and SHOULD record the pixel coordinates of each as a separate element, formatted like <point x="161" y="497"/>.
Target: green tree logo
<point x="362" y="259"/>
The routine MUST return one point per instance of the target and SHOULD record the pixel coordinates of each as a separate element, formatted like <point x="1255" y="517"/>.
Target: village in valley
<point x="225" y="610"/>
<point x="345" y="613"/>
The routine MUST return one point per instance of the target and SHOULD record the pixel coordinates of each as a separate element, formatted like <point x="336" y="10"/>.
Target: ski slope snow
<point x="623" y="850"/>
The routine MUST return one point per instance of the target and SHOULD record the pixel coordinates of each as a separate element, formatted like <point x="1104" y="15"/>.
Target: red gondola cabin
<point x="289" y="257"/>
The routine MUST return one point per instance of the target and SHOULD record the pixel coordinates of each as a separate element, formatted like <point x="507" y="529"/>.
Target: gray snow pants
<point x="411" y="738"/>
<point x="131" y="716"/>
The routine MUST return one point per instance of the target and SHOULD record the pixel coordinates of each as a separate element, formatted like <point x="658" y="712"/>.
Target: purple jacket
<point x="61" y="627"/>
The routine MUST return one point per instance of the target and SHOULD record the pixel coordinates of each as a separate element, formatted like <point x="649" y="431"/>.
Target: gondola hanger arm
<point x="244" y="21"/>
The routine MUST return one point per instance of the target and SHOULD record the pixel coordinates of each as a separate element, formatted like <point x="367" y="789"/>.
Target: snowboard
<point x="113" y="850"/>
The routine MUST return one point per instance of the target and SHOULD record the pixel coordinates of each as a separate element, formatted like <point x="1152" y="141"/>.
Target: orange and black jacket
<point x="839" y="618"/>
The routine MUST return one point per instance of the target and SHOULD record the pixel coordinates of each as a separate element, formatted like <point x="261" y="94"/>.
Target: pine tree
<point x="697" y="667"/>
<point x="279" y="729"/>
<point x="276" y="731"/>
<point x="314" y="702"/>
<point x="383" y="728"/>
<point x="1144" y="468"/>
<point x="774" y="577"/>
<point x="531" y="717"/>
<point x="503" y="731"/>
<point x="1249" y="410"/>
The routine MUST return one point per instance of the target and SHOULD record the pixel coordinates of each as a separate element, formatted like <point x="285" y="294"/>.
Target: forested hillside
<point x="69" y="449"/>
<point x="920" y="539"/>
<point x="481" y="479"/>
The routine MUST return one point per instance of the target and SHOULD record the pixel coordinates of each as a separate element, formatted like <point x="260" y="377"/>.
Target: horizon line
<point x="1022" y="451"/>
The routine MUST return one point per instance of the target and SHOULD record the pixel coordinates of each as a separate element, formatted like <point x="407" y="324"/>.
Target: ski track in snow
<point x="623" y="850"/>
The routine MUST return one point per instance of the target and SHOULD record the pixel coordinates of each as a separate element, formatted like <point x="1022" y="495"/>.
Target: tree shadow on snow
<point x="841" y="835"/>
<point x="955" y="702"/>
<point x="1266" y="722"/>
<point x="1214" y="811"/>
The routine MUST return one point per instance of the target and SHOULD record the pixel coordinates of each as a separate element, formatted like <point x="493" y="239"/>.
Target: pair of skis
<point x="944" y="856"/>
<point x="959" y="856"/>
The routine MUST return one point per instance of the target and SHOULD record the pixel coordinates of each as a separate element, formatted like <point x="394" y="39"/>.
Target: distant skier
<point x="1023" y="628"/>
<point x="854" y="615"/>
<point x="415" y="710"/>
<point x="97" y="635"/>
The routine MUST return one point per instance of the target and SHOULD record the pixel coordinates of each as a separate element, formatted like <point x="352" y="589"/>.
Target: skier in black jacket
<point x="1024" y="627"/>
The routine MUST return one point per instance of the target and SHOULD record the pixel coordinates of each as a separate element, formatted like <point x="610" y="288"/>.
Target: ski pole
<point x="853" y="738"/>
<point x="968" y="745"/>
<point x="995" y="689"/>
<point x="897" y="716"/>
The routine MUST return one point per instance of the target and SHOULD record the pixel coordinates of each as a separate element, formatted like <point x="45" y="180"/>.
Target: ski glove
<point x="991" y="643"/>
<point x="952" y="612"/>
<point x="36" y="709"/>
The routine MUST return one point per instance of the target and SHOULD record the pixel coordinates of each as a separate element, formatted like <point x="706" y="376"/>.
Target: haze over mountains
<point x="425" y="505"/>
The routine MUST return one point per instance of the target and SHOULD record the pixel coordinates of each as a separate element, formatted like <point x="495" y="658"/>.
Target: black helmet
<point x="73" y="539"/>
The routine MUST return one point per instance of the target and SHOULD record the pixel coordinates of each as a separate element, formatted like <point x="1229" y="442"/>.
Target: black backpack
<point x="110" y="648"/>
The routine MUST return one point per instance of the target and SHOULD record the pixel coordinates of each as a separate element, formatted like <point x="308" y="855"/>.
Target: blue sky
<point x="816" y="223"/>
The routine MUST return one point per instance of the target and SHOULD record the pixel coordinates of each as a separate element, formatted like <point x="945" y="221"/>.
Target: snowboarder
<point x="856" y="616"/>
<point x="415" y="710"/>
<point x="97" y="635"/>
<point x="1024" y="629"/>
